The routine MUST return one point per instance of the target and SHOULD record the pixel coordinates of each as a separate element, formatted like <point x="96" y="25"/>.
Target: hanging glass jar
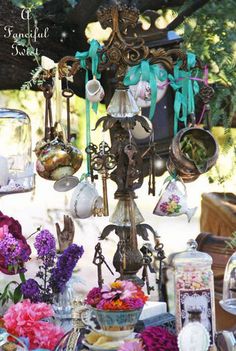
<point x="16" y="167"/>
<point x="194" y="288"/>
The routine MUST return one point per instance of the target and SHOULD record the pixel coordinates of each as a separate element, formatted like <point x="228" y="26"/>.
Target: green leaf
<point x="17" y="294"/>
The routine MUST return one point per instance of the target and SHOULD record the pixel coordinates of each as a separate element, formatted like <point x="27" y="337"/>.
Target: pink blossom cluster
<point x="24" y="319"/>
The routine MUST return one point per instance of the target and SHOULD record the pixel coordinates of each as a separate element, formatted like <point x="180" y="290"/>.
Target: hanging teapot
<point x="57" y="159"/>
<point x="193" y="151"/>
<point x="173" y="201"/>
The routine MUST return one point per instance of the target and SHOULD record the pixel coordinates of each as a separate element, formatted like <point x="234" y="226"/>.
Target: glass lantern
<point x="194" y="288"/>
<point x="229" y="288"/>
<point x="16" y="167"/>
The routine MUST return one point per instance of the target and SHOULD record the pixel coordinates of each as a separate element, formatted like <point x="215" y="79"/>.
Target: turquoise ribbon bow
<point x="148" y="73"/>
<point x="186" y="89"/>
<point x="92" y="53"/>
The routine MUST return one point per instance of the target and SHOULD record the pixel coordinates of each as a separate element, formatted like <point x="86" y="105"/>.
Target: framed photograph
<point x="198" y="300"/>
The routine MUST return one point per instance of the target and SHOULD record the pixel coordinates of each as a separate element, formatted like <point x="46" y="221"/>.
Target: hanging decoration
<point x="94" y="92"/>
<point x="193" y="151"/>
<point x="57" y="159"/>
<point x="173" y="200"/>
<point x="16" y="167"/>
<point x="141" y="74"/>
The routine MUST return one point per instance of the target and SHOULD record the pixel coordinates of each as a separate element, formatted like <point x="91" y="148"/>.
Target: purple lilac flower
<point x="30" y="290"/>
<point x="45" y="245"/>
<point x="61" y="274"/>
<point x="14" y="252"/>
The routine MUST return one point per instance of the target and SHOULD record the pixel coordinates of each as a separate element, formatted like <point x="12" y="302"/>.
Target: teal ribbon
<point x="92" y="53"/>
<point x="148" y="73"/>
<point x="186" y="89"/>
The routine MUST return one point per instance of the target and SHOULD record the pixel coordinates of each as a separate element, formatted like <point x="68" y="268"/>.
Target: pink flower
<point x="134" y="345"/>
<point x="158" y="338"/>
<point x="24" y="320"/>
<point x="129" y="289"/>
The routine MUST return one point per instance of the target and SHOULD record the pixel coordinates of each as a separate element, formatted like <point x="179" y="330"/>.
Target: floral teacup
<point x="173" y="201"/>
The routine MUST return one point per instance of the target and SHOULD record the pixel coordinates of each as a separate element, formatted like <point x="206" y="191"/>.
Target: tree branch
<point x="197" y="4"/>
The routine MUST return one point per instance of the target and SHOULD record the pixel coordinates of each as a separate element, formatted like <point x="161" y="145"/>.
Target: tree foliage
<point x="211" y="34"/>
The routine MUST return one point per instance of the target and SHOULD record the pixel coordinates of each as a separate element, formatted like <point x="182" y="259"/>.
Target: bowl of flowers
<point x="117" y="307"/>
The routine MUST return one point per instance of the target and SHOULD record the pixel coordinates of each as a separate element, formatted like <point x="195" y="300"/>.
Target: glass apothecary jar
<point x="194" y="287"/>
<point x="16" y="167"/>
<point x="228" y="303"/>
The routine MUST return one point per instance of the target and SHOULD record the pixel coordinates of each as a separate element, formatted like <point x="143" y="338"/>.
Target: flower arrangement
<point x="152" y="339"/>
<point x="25" y="320"/>
<point x="158" y="338"/>
<point x="54" y="272"/>
<point x="119" y="295"/>
<point x="52" y="275"/>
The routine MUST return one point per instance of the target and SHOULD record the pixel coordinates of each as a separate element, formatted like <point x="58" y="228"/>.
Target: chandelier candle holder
<point x="143" y="72"/>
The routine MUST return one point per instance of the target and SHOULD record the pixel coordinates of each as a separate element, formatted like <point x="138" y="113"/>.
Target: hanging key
<point x="151" y="180"/>
<point x="91" y="150"/>
<point x="102" y="162"/>
<point x="98" y="260"/>
<point x="147" y="259"/>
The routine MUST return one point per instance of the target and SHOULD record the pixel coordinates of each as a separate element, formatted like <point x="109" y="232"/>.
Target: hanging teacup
<point x="173" y="201"/>
<point x="58" y="161"/>
<point x="193" y="151"/>
<point x="94" y="90"/>
<point x="142" y="91"/>
<point x="86" y="201"/>
<point x="139" y="132"/>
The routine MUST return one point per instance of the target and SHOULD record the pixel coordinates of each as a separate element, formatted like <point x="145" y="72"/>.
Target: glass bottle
<point x="194" y="288"/>
<point x="16" y="167"/>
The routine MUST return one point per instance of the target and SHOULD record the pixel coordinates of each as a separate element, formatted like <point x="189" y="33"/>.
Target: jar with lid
<point x="194" y="288"/>
<point x="16" y="167"/>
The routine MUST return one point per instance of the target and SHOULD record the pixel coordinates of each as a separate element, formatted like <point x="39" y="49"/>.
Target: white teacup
<point x="84" y="200"/>
<point x="139" y="132"/>
<point x="94" y="90"/>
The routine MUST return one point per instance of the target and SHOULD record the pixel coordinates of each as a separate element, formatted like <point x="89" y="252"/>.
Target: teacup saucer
<point x="115" y="335"/>
<point x="108" y="346"/>
<point x="111" y="346"/>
